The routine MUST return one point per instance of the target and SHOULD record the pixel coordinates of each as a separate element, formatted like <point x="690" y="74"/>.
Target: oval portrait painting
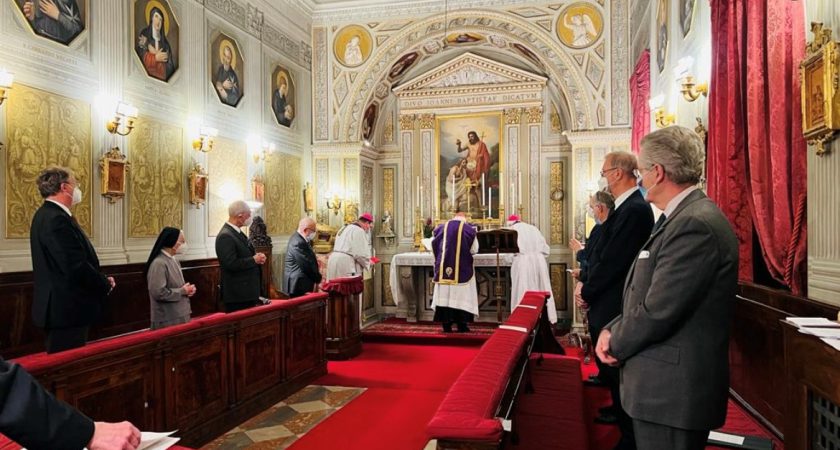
<point x="227" y="69"/>
<point x="282" y="96"/>
<point x="579" y="25"/>
<point x="156" y="34"/>
<point x="352" y="46"/>
<point x="57" y="20"/>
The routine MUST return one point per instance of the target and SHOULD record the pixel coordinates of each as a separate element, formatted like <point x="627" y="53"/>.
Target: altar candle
<point x="482" y="190"/>
<point x="490" y="203"/>
<point x="417" y="193"/>
<point x="519" y="187"/>
<point x="513" y="198"/>
<point x="452" y="200"/>
<point x="421" y="201"/>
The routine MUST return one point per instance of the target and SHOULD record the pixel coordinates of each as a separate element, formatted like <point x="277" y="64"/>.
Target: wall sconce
<point x="689" y="88"/>
<point x="660" y="116"/>
<point x="334" y="202"/>
<point x="6" y="80"/>
<point x="265" y="152"/>
<point x="123" y="121"/>
<point x="205" y="140"/>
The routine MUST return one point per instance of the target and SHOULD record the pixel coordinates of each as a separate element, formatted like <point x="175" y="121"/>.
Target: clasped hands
<point x="602" y="349"/>
<point x="260" y="258"/>
<point x="189" y="289"/>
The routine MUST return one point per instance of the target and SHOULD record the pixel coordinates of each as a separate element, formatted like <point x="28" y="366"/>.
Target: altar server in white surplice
<point x="351" y="252"/>
<point x="455" y="298"/>
<point x="529" y="271"/>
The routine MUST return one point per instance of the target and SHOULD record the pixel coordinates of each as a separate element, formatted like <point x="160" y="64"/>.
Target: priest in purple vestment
<point x="455" y="298"/>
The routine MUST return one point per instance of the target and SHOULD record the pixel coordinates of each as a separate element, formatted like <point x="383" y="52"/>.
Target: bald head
<point x="306" y="225"/>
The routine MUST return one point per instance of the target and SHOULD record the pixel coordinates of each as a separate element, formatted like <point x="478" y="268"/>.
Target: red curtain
<point x="757" y="155"/>
<point x="639" y="96"/>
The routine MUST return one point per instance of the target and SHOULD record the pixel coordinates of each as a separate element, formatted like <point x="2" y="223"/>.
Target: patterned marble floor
<point x="284" y="423"/>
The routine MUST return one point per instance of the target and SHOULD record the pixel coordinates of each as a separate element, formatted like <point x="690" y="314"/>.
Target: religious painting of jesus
<point x="469" y="162"/>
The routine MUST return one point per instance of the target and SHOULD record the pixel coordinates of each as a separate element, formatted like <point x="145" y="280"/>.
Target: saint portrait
<point x="226" y="69"/>
<point x="369" y="121"/>
<point x="469" y="163"/>
<point x="156" y="34"/>
<point x="282" y="96"/>
<point x="686" y="15"/>
<point x="57" y="20"/>
<point x="402" y="65"/>
<point x="662" y="34"/>
<point x="579" y="25"/>
<point x="352" y="46"/>
<point x="463" y="38"/>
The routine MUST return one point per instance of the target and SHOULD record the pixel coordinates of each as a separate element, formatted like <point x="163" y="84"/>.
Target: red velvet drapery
<point x="757" y="159"/>
<point x="639" y="95"/>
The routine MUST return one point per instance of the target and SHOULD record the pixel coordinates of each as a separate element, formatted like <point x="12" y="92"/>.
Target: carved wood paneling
<point x="44" y="129"/>
<point x="558" y="219"/>
<point x="156" y="180"/>
<point x="228" y="180"/>
<point x="261" y="365"/>
<point x="284" y="194"/>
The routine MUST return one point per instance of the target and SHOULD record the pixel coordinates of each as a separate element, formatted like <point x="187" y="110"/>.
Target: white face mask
<point x="603" y="183"/>
<point x="77" y="196"/>
<point x="181" y="249"/>
<point x="310" y="237"/>
<point x="248" y="222"/>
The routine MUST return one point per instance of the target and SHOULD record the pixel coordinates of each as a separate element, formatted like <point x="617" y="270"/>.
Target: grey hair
<point x="679" y="151"/>
<point x="605" y="198"/>
<point x="50" y="180"/>
<point x="625" y="161"/>
<point x="238" y="207"/>
<point x="306" y="222"/>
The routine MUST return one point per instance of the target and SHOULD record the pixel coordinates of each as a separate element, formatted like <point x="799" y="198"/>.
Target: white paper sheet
<point x="157" y="441"/>
<point x="812" y="322"/>
<point x="822" y="332"/>
<point x="727" y="438"/>
<point x="833" y="342"/>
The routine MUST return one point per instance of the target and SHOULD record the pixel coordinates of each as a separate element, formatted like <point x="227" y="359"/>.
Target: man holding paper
<point x="455" y="298"/>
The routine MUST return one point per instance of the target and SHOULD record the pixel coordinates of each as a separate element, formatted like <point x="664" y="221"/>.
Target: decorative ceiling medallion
<point x="352" y="46"/>
<point x="579" y="25"/>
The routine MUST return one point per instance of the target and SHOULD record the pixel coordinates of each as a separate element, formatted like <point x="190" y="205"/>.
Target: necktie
<point x="658" y="223"/>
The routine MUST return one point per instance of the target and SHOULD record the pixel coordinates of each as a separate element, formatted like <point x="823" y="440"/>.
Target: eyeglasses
<point x="604" y="172"/>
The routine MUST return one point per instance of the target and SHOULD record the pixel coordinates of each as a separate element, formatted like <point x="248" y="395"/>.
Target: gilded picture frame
<point x="199" y="185"/>
<point x="464" y="167"/>
<point x="820" y="84"/>
<point x="258" y="189"/>
<point x="113" y="167"/>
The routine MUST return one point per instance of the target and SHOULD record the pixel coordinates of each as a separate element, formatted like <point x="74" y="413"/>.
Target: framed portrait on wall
<point x="227" y="69"/>
<point x="282" y="96"/>
<point x="113" y="167"/>
<point x="661" y="34"/>
<point x="469" y="150"/>
<point x="686" y="15"/>
<point x="819" y="73"/>
<point x="57" y="20"/>
<point x="156" y="36"/>
<point x="198" y="183"/>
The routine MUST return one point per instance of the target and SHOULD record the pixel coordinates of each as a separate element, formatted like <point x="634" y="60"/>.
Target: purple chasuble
<point x="453" y="260"/>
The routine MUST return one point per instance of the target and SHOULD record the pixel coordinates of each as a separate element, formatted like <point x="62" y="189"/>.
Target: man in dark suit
<point x="32" y="417"/>
<point x="238" y="261"/>
<point x="69" y="286"/>
<point x="301" y="272"/>
<point x="623" y="234"/>
<point x="672" y="338"/>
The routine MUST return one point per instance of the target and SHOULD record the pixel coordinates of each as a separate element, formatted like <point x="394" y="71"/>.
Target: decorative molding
<point x="322" y="176"/>
<point x="620" y="73"/>
<point x="387" y="294"/>
<point x="513" y="116"/>
<point x="256" y="20"/>
<point x="283" y="193"/>
<point x="231" y="11"/>
<point x="228" y="172"/>
<point x="426" y="137"/>
<point x="367" y="188"/>
<point x="156" y="184"/>
<point x="43" y="129"/>
<point x="534" y="173"/>
<point x="407" y="122"/>
<point x="407" y="138"/>
<point x="320" y="107"/>
<point x="388" y="130"/>
<point x="556" y="205"/>
<point x="535" y="114"/>
<point x="582" y="169"/>
<point x="427" y="121"/>
<point x="388" y="197"/>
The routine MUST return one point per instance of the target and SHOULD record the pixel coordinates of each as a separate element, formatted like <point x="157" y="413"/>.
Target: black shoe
<point x="607" y="419"/>
<point x="594" y="377"/>
<point x="595" y="382"/>
<point x="447" y="328"/>
<point x="463" y="328"/>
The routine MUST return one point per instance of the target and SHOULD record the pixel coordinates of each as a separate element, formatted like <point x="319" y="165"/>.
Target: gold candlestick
<point x="418" y="232"/>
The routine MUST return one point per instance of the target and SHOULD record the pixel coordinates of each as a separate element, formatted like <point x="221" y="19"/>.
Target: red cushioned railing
<point x="468" y="411"/>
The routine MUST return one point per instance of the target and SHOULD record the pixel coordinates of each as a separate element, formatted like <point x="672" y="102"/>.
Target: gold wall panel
<point x="557" y="275"/>
<point x="283" y="194"/>
<point x="228" y="180"/>
<point x="44" y="129"/>
<point x="388" y="175"/>
<point x="558" y="218"/>
<point x="156" y="180"/>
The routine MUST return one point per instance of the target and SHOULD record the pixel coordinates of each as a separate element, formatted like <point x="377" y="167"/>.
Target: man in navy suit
<point x="301" y="273"/>
<point x="70" y="289"/>
<point x="238" y="261"/>
<point x="623" y="234"/>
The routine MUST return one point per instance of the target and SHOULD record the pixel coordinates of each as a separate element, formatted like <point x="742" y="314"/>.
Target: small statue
<point x="700" y="129"/>
<point x="385" y="229"/>
<point x="258" y="233"/>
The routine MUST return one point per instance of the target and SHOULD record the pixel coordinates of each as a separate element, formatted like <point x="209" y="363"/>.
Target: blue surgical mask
<point x="641" y="188"/>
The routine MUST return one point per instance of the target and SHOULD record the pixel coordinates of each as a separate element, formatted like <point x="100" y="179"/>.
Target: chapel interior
<point x="331" y="109"/>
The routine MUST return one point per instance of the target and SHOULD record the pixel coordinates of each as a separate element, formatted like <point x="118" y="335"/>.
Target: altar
<point x="412" y="287"/>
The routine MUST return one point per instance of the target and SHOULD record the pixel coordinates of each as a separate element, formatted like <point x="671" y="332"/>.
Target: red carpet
<point x="399" y="330"/>
<point x="406" y="383"/>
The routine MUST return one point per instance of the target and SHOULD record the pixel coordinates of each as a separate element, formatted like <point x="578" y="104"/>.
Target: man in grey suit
<point x="301" y="272"/>
<point x="672" y="338"/>
<point x="238" y="261"/>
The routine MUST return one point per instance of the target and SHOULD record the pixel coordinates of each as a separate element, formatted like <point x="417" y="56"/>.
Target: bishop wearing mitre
<point x="455" y="298"/>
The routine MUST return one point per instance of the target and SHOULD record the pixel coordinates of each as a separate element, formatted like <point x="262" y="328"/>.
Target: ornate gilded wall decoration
<point x="407" y="122"/>
<point x="156" y="184"/>
<point x="283" y="96"/>
<point x="558" y="219"/>
<point x="229" y="172"/>
<point x="579" y="25"/>
<point x="156" y="38"/>
<point x="557" y="275"/>
<point x="284" y="204"/>
<point x="534" y="114"/>
<point x="388" y="224"/>
<point x="44" y="129"/>
<point x="198" y="181"/>
<point x="367" y="188"/>
<point x="352" y="46"/>
<point x="464" y="38"/>
<point x="513" y="116"/>
<point x="227" y="69"/>
<point x="57" y="20"/>
<point x="113" y="167"/>
<point x="388" y="130"/>
<point x="427" y="121"/>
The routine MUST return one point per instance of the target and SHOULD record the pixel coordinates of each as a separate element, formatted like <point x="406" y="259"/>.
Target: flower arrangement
<point x="428" y="227"/>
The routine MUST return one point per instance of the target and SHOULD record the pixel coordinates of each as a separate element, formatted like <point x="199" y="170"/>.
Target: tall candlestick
<point x="490" y="203"/>
<point x="501" y="189"/>
<point x="421" y="201"/>
<point x="513" y="197"/>
<point x="482" y="190"/>
<point x="452" y="200"/>
<point x="417" y="193"/>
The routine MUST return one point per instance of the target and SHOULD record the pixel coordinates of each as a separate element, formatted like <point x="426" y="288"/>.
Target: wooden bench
<point x="201" y="378"/>
<point x="477" y="411"/>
